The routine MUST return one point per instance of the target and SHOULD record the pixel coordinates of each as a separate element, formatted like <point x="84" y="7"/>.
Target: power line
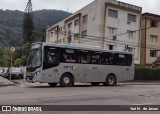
<point x="119" y="42"/>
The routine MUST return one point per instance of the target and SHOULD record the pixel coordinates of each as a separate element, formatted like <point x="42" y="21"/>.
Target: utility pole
<point x="12" y="51"/>
<point x="28" y="26"/>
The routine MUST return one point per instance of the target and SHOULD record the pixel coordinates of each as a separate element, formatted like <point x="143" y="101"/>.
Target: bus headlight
<point x="37" y="73"/>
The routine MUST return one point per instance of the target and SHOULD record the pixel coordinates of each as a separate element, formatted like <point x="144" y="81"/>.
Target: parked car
<point x="5" y="69"/>
<point x="15" y="73"/>
<point x="1" y="71"/>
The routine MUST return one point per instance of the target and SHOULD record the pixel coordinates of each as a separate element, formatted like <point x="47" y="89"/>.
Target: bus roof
<point x="81" y="46"/>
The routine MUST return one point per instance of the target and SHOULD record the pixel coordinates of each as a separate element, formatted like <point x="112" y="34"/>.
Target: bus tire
<point x="66" y="80"/>
<point x="52" y="84"/>
<point x="111" y="80"/>
<point x="95" y="83"/>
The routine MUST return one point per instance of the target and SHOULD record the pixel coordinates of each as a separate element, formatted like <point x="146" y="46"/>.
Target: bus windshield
<point x="34" y="59"/>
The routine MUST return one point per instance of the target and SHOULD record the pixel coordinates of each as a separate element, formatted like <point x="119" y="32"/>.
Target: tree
<point x="17" y="62"/>
<point x="39" y="36"/>
<point x="28" y="26"/>
<point x="4" y="56"/>
<point x="25" y="54"/>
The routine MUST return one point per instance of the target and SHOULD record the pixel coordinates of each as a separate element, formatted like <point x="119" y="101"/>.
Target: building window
<point x="84" y="34"/>
<point x="112" y="30"/>
<point x="111" y="47"/>
<point x="76" y="22"/>
<point x="70" y="25"/>
<point x="56" y="31"/>
<point x="132" y="17"/>
<point x="75" y="36"/>
<point x="60" y="41"/>
<point x="131" y="34"/>
<point x="131" y="50"/>
<point x="63" y="40"/>
<point x="69" y="36"/>
<point x="52" y="34"/>
<point x="112" y="13"/>
<point x="61" y="29"/>
<point x="153" y="53"/>
<point x="153" y="38"/>
<point x="85" y="19"/>
<point x="153" y="23"/>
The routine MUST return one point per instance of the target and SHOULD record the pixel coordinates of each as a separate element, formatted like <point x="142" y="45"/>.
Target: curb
<point x="7" y="85"/>
<point x="16" y="82"/>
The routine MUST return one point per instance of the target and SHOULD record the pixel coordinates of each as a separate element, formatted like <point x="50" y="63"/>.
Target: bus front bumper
<point x="32" y="79"/>
<point x="29" y="78"/>
<point x="36" y="78"/>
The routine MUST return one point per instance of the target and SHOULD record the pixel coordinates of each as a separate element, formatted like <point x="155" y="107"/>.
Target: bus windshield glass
<point x="34" y="58"/>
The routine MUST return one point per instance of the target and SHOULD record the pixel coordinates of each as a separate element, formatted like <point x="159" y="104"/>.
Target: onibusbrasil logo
<point x="21" y="108"/>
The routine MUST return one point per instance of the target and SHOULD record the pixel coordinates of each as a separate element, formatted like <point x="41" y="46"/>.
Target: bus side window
<point x="128" y="60"/>
<point x="108" y="59"/>
<point x="69" y="56"/>
<point x="78" y="56"/>
<point x="119" y="59"/>
<point x="51" y="57"/>
<point x="85" y="57"/>
<point x="96" y="58"/>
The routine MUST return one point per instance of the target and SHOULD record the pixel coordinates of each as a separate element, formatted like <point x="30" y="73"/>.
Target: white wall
<point x="122" y="27"/>
<point x="94" y="27"/>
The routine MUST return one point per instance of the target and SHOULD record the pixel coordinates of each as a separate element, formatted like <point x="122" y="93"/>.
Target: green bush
<point x="147" y="74"/>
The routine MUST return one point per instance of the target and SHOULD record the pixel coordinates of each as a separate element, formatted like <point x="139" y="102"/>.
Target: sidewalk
<point x="5" y="82"/>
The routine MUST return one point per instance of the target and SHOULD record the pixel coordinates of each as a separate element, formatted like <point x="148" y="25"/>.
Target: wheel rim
<point x="111" y="80"/>
<point x="66" y="80"/>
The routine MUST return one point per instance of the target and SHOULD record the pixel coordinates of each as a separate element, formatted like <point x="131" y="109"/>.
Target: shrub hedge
<point x="147" y="74"/>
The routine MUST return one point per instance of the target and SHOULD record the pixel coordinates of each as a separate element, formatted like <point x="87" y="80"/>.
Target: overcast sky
<point x="151" y="6"/>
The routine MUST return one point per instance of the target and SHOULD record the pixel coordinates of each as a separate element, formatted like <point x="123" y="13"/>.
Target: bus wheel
<point x="95" y="83"/>
<point x="52" y="84"/>
<point x="111" y="80"/>
<point x="66" y="80"/>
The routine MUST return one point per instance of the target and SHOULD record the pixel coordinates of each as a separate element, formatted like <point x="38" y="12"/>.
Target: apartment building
<point x="109" y="24"/>
<point x="150" y="44"/>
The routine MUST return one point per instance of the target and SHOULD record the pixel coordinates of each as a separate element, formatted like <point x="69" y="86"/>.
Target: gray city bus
<point x="66" y="64"/>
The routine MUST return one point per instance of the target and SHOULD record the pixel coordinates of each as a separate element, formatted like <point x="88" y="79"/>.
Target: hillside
<point x="11" y="24"/>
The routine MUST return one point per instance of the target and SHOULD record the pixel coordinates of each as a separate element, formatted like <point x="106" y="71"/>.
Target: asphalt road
<point x="42" y="94"/>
